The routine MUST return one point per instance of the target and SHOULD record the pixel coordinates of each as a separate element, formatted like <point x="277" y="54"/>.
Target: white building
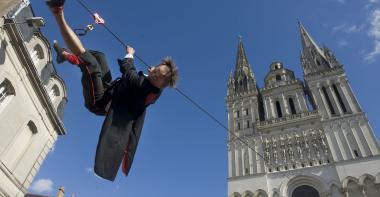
<point x="32" y="98"/>
<point x="300" y="138"/>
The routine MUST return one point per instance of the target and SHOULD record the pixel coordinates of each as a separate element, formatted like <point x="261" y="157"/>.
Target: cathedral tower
<point x="301" y="138"/>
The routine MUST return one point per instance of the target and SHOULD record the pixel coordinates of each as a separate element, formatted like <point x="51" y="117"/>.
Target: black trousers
<point x="96" y="79"/>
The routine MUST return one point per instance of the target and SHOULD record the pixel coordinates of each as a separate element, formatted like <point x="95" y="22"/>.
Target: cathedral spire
<point x="308" y="42"/>
<point x="313" y="58"/>
<point x="241" y="58"/>
<point x="242" y="79"/>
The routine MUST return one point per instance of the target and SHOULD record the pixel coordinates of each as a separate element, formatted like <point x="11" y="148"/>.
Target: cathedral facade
<point x="32" y="98"/>
<point x="296" y="138"/>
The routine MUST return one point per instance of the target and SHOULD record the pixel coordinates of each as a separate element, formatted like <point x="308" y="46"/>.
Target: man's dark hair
<point x="173" y="77"/>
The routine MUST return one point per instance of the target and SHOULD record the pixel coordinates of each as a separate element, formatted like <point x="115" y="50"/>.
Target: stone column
<point x="237" y="160"/>
<point x="252" y="157"/>
<point x="369" y="135"/>
<point x="359" y="141"/>
<point x="301" y="102"/>
<point x="333" y="146"/>
<point x="338" y="138"/>
<point x="355" y="125"/>
<point x="231" y="160"/>
<point x="266" y="107"/>
<point x="350" y="96"/>
<point x="286" y="106"/>
<point x="320" y="101"/>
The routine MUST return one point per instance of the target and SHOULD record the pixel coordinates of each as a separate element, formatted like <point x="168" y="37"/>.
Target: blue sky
<point x="182" y="152"/>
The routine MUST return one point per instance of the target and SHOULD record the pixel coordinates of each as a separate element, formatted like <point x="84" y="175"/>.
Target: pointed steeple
<point x="242" y="81"/>
<point x="313" y="58"/>
<point x="308" y="42"/>
<point x="241" y="58"/>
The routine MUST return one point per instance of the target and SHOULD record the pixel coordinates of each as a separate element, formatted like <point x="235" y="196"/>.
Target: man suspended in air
<point x="123" y="102"/>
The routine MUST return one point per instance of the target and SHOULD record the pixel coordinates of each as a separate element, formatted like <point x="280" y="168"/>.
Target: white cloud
<point x="348" y="29"/>
<point x="370" y="57"/>
<point x="42" y="186"/>
<point x="342" y="43"/>
<point x="375" y="24"/>
<point x="375" y="33"/>
<point x="371" y="2"/>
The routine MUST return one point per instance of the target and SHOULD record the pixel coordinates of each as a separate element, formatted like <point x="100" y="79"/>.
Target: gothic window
<point x="248" y="124"/>
<point x="6" y="89"/>
<point x="238" y="126"/>
<point x="292" y="107"/>
<point x="339" y="99"/>
<point x="278" y="77"/>
<point x="278" y="107"/>
<point x="246" y="112"/>
<point x="331" y="108"/>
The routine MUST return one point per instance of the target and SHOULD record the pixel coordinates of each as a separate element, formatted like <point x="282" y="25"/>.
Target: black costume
<point x="123" y="102"/>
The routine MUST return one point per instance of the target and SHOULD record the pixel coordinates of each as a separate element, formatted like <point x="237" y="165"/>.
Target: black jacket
<point x="124" y="121"/>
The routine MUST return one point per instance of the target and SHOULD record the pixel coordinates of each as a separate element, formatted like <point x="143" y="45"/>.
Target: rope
<point x="111" y="32"/>
<point x="178" y="90"/>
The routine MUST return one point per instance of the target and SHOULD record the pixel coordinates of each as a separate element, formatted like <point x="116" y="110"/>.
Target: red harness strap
<point x="71" y="58"/>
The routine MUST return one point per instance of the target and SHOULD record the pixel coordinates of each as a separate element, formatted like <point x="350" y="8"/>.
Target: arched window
<point x="353" y="189"/>
<point x="54" y="93"/>
<point x="328" y="100"/>
<point x="278" y="77"/>
<point x="292" y="107"/>
<point x="37" y="54"/>
<point x="305" y="190"/>
<point x="339" y="99"/>
<point x="278" y="107"/>
<point x="6" y="89"/>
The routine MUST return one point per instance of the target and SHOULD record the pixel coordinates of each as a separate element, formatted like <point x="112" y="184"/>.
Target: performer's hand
<point x="130" y="50"/>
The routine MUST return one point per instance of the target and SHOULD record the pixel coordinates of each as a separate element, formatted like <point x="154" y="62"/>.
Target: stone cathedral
<point x="294" y="138"/>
